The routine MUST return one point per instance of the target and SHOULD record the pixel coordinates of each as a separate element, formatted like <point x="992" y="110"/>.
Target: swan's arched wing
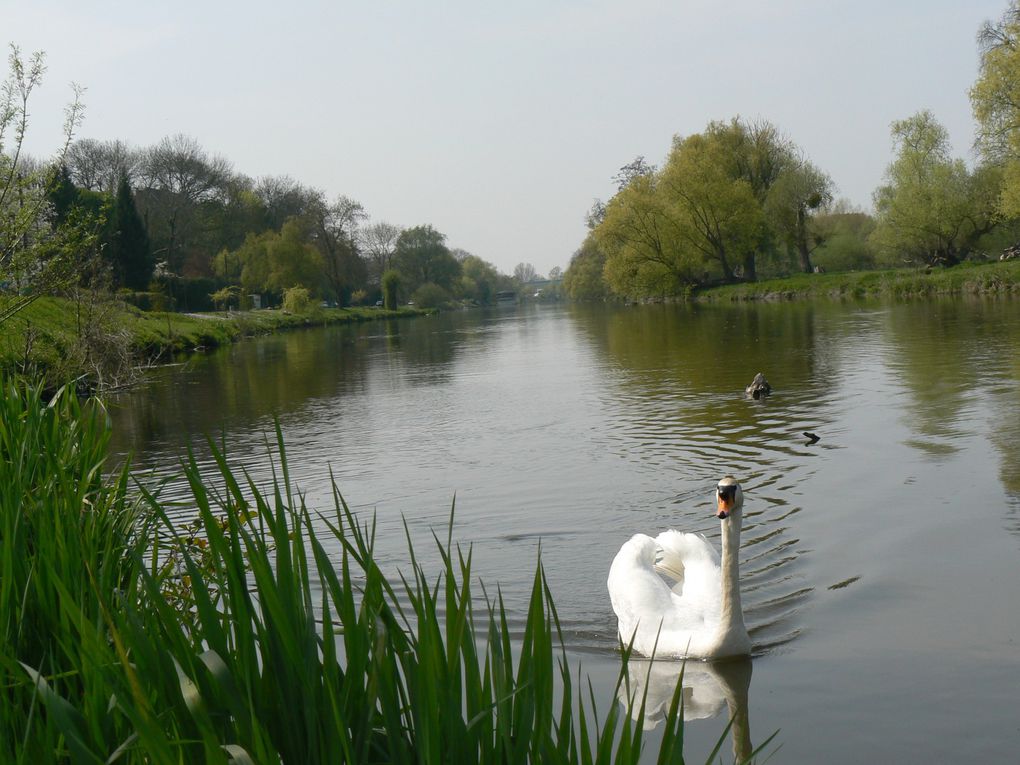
<point x="639" y="596"/>
<point x="697" y="563"/>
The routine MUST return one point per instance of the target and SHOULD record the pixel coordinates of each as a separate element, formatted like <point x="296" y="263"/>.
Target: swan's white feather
<point x="695" y="559"/>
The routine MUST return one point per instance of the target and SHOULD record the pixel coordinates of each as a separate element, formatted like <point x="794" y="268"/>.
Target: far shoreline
<point x="46" y="341"/>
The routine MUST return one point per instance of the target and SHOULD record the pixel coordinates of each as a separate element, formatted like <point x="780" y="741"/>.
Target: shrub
<point x="844" y="252"/>
<point x="430" y="295"/>
<point x="297" y="300"/>
<point x="227" y="297"/>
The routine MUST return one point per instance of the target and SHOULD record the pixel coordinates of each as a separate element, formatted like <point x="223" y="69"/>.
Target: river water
<point x="880" y="565"/>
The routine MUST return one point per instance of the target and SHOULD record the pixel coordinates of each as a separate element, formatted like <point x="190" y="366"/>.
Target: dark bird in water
<point x="759" y="387"/>
<point x="813" y="438"/>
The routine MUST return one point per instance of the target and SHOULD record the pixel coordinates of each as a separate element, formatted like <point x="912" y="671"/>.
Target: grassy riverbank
<point x="57" y="339"/>
<point x="126" y="637"/>
<point x="967" y="279"/>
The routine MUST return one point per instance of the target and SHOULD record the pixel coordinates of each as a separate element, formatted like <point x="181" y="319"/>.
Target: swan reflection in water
<point x="709" y="688"/>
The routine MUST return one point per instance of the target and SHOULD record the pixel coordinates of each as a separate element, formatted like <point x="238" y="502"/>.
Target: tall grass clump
<point x="67" y="552"/>
<point x="262" y="633"/>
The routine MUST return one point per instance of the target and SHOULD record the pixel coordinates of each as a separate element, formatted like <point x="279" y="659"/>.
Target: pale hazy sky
<point x="499" y="122"/>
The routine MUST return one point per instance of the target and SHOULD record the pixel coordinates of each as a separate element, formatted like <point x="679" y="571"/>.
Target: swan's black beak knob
<point x="725" y="497"/>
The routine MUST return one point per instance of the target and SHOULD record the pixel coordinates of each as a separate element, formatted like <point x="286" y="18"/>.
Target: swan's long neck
<point x="732" y="622"/>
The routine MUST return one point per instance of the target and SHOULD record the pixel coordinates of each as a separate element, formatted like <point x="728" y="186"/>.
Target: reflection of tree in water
<point x="933" y="347"/>
<point x="253" y="381"/>
<point x="709" y="688"/>
<point x="271" y="376"/>
<point x="245" y="382"/>
<point x="1006" y="434"/>
<point x="959" y="358"/>
<point x="949" y="353"/>
<point x="682" y="371"/>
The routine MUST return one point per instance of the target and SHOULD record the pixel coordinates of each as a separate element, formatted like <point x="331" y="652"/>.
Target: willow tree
<point x="479" y="279"/>
<point x="724" y="197"/>
<point x="583" y="279"/>
<point x="639" y="236"/>
<point x="796" y="196"/>
<point x="932" y="209"/>
<point x="995" y="98"/>
<point x="422" y="257"/>
<point x="718" y="217"/>
<point x="274" y="261"/>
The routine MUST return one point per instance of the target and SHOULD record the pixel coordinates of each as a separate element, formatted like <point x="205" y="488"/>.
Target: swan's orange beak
<point x="724" y="505"/>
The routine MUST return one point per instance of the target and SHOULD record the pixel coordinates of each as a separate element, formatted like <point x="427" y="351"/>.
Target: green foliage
<point x="844" y="241"/>
<point x="180" y="187"/>
<point x="296" y="300"/>
<point x="335" y="227"/>
<point x="583" y="279"/>
<point x="391" y="284"/>
<point x="479" y="280"/>
<point x="932" y="209"/>
<point x="430" y="295"/>
<point x="726" y="199"/>
<point x="274" y="261"/>
<point x="228" y="297"/>
<point x="128" y="248"/>
<point x="720" y="217"/>
<point x="995" y="98"/>
<point x="643" y="238"/>
<point x="38" y="255"/>
<point x="422" y="256"/>
<point x="843" y="251"/>
<point x="69" y="536"/>
<point x="792" y="203"/>
<point x="281" y="640"/>
<point x="188" y="207"/>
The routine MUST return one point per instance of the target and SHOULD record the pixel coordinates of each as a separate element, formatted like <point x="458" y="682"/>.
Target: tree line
<point x="173" y="224"/>
<point x="740" y="200"/>
<point x="192" y="217"/>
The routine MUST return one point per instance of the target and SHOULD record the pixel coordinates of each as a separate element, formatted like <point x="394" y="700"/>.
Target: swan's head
<point x="728" y="497"/>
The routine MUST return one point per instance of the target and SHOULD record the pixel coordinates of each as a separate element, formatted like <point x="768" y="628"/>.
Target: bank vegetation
<point x="100" y="343"/>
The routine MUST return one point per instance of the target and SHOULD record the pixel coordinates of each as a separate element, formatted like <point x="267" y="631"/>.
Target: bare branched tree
<point x="35" y="256"/>
<point x="99" y="165"/>
<point x="176" y="176"/>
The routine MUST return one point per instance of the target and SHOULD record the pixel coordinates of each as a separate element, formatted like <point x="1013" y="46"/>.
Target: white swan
<point x="697" y="613"/>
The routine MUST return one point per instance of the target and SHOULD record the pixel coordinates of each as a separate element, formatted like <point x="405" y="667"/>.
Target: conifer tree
<point x="128" y="245"/>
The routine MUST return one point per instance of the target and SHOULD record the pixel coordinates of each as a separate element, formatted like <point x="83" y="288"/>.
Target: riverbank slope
<point x="966" y="279"/>
<point x="99" y="341"/>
